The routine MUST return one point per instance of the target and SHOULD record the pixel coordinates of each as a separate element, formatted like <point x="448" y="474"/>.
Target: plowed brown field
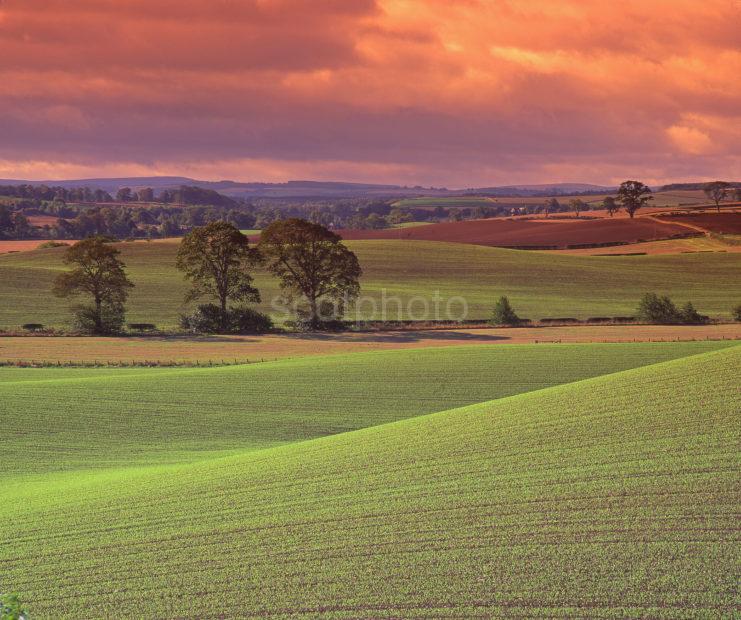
<point x="228" y="349"/>
<point x="532" y="234"/>
<point x="726" y="223"/>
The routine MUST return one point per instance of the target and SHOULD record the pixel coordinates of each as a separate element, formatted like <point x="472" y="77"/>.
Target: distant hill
<point x="309" y="189"/>
<point x="547" y="188"/>
<point x="236" y="189"/>
<point x="681" y="186"/>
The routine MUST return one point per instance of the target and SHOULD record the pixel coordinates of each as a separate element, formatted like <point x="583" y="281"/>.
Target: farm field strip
<point x="667" y="246"/>
<point x="270" y="347"/>
<point x="538" y="284"/>
<point x="728" y="223"/>
<point x="525" y="232"/>
<point x="59" y="419"/>
<point x="623" y="497"/>
<point x="9" y="246"/>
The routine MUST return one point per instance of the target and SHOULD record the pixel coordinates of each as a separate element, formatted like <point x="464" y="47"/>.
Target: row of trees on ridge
<point x="312" y="264"/>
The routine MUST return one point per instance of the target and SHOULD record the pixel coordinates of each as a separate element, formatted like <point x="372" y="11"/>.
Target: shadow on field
<point x="410" y="336"/>
<point x="192" y="338"/>
<point x="390" y="337"/>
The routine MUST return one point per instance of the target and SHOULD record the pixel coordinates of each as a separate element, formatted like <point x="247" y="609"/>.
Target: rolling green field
<point x="453" y="201"/>
<point x="60" y="419"/>
<point x="609" y="496"/>
<point x="539" y="284"/>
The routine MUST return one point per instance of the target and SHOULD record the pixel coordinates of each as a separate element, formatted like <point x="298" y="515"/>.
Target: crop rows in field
<point x="61" y="419"/>
<point x="615" y="496"/>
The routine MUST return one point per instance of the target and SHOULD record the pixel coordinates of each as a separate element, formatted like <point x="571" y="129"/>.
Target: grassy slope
<point x="66" y="419"/>
<point x="538" y="284"/>
<point x="611" y="497"/>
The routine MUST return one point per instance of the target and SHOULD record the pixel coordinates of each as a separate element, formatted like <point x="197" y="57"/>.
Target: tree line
<point x="173" y="213"/>
<point x="313" y="266"/>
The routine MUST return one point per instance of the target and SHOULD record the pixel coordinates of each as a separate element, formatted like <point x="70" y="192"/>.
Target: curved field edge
<point x="100" y="418"/>
<point x="610" y="497"/>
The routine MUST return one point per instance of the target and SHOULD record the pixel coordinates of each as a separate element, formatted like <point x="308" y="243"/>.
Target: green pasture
<point x="407" y="274"/>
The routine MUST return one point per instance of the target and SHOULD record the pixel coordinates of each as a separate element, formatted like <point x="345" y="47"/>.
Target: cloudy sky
<point x="435" y="92"/>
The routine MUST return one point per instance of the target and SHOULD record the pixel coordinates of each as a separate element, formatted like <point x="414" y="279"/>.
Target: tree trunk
<point x="223" y="313"/>
<point x="98" y="315"/>
<point x="314" y="312"/>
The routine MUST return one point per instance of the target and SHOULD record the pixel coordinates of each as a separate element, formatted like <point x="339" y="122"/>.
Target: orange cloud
<point x="472" y="92"/>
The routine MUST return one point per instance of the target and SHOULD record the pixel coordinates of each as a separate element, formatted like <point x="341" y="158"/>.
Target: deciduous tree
<point x="217" y="260"/>
<point x="633" y="195"/>
<point x="577" y="205"/>
<point x="311" y="262"/>
<point x="610" y="205"/>
<point x="716" y="191"/>
<point x="97" y="271"/>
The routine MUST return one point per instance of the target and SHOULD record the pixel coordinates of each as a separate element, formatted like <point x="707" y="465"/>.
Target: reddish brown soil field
<point x="42" y="220"/>
<point x="532" y="234"/>
<point x="728" y="223"/>
<point x="230" y="349"/>
<point x="21" y="246"/>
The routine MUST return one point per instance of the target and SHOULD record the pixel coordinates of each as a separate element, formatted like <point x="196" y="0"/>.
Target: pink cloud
<point x="422" y="91"/>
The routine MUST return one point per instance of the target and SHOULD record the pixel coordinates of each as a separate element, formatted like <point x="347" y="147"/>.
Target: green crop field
<point x="451" y="201"/>
<point x="63" y="419"/>
<point x="539" y="284"/>
<point x="411" y="224"/>
<point x="565" y="494"/>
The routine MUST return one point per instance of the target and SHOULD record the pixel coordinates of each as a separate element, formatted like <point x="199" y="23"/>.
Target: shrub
<point x="690" y="316"/>
<point x="32" y="327"/>
<point x="111" y="319"/>
<point x="142" y="327"/>
<point x="623" y="319"/>
<point x="245" y="320"/>
<point x="329" y="317"/>
<point x="737" y="313"/>
<point x="11" y="608"/>
<point x="51" y="244"/>
<point x="564" y="319"/>
<point x="207" y="319"/>
<point x="599" y="319"/>
<point x="655" y="309"/>
<point x="504" y="313"/>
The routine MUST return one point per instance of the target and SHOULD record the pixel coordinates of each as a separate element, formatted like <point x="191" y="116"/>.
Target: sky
<point x="456" y="93"/>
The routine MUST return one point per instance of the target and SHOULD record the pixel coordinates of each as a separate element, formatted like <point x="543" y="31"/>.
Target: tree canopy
<point x="504" y="313"/>
<point x="311" y="262"/>
<point x="98" y="272"/>
<point x="610" y="205"/>
<point x="217" y="260"/>
<point x="633" y="195"/>
<point x="577" y="205"/>
<point x="716" y="191"/>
